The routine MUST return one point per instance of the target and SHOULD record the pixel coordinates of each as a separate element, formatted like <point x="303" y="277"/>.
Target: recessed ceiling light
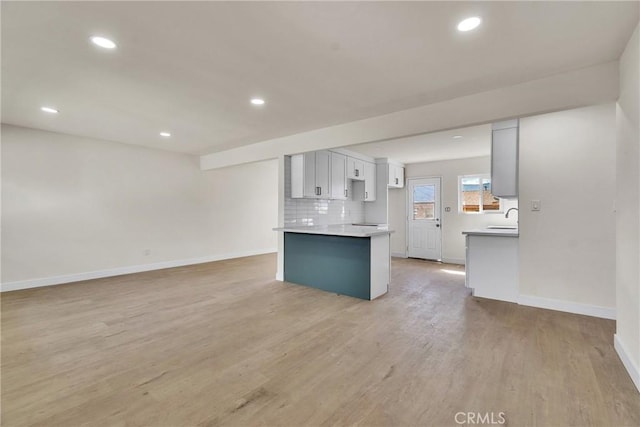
<point x="103" y="42"/>
<point x="165" y="134"/>
<point x="49" y="110"/>
<point x="469" y="24"/>
<point x="257" y="101"/>
<point x="457" y="136"/>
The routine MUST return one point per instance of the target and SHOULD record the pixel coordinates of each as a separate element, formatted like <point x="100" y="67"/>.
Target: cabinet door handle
<point x="357" y="172"/>
<point x="396" y="181"/>
<point x="317" y="191"/>
<point x="366" y="195"/>
<point x="345" y="193"/>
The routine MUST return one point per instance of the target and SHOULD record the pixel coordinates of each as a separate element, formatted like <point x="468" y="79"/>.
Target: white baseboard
<point x="398" y="255"/>
<point x="459" y="261"/>
<point x="78" y="277"/>
<point x="627" y="361"/>
<point x="567" y="306"/>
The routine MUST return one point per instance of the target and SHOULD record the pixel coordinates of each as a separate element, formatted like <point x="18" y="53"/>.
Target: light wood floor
<point x="224" y="344"/>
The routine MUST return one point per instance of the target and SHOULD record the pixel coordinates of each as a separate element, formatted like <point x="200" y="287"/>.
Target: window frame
<point x="481" y="211"/>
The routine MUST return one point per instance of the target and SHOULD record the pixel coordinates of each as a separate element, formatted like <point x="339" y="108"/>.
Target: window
<point x="424" y="201"/>
<point x="474" y="195"/>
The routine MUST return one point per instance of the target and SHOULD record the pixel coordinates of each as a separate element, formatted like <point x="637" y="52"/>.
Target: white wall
<point x="567" y="250"/>
<point x="244" y="208"/>
<point x="628" y="210"/>
<point x="74" y="205"/>
<point x="453" y="223"/>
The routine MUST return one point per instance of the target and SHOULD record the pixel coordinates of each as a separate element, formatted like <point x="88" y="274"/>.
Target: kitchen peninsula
<point x="492" y="263"/>
<point x="351" y="260"/>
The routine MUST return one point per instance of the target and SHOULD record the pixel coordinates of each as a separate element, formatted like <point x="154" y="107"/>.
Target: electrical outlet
<point x="147" y="252"/>
<point x="535" y="205"/>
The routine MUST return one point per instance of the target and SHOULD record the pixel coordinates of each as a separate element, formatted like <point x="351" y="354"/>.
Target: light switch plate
<point x="535" y="205"/>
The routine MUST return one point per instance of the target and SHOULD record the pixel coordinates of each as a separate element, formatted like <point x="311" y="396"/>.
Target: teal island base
<point x="354" y="266"/>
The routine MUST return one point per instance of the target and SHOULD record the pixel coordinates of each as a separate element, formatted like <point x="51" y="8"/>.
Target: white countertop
<point x="347" y="230"/>
<point x="493" y="232"/>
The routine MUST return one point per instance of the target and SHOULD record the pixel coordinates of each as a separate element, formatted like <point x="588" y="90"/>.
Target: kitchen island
<point x="492" y="263"/>
<point x="351" y="260"/>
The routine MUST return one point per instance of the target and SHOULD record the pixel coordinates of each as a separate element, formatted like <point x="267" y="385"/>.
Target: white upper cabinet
<point x="396" y="176"/>
<point x="326" y="175"/>
<point x="310" y="173"/>
<point x="504" y="159"/>
<point x="369" y="182"/>
<point x="310" y="187"/>
<point x="297" y="176"/>
<point x="355" y="169"/>
<point x="339" y="188"/>
<point x="323" y="174"/>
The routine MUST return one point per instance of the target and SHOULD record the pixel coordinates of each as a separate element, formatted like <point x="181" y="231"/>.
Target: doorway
<point x="424" y="231"/>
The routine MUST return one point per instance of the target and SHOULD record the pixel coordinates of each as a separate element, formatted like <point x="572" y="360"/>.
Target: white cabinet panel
<point x="380" y="265"/>
<point x="310" y="188"/>
<point x="396" y="176"/>
<point x="310" y="175"/>
<point x="355" y="169"/>
<point x="391" y="175"/>
<point x="297" y="176"/>
<point x="492" y="267"/>
<point x="369" y="182"/>
<point x="400" y="177"/>
<point x="338" y="176"/>
<point x="504" y="159"/>
<point x="323" y="171"/>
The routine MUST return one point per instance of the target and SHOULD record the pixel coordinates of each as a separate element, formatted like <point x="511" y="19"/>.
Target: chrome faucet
<point x="507" y="214"/>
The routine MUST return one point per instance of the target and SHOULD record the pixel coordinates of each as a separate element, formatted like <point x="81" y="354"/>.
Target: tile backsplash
<point x="319" y="211"/>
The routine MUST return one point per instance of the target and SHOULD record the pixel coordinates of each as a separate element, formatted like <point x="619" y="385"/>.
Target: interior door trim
<point x="406" y="210"/>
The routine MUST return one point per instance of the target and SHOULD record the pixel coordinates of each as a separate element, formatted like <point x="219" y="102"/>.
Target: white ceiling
<point x="191" y="67"/>
<point x="475" y="141"/>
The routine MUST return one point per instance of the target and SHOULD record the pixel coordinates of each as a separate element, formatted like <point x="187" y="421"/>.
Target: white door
<point x="424" y="239"/>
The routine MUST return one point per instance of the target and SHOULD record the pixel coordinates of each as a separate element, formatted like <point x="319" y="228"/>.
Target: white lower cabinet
<point x="492" y="266"/>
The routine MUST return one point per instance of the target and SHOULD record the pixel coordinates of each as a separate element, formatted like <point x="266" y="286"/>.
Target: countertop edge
<point x="325" y="232"/>
<point x="491" y="233"/>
